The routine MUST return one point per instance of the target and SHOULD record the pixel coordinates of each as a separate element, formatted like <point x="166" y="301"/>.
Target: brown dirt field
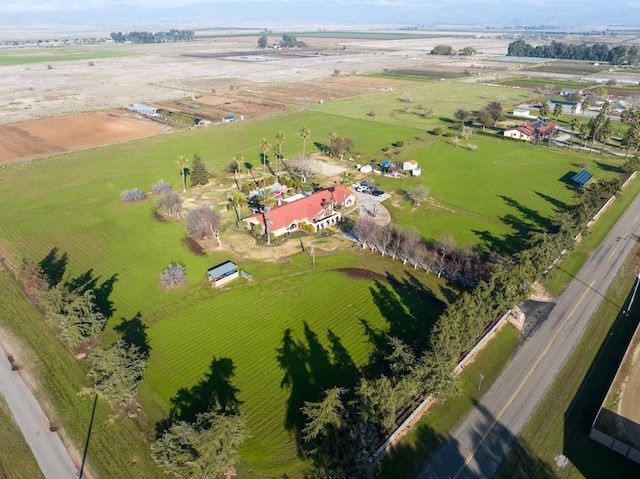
<point x="53" y="136"/>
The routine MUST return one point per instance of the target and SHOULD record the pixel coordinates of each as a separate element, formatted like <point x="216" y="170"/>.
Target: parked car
<point x="377" y="193"/>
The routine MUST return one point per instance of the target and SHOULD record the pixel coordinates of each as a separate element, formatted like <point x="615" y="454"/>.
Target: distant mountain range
<point x="496" y="13"/>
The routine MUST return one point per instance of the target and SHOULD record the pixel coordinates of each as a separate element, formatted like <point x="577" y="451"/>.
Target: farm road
<point x="484" y="438"/>
<point x="47" y="447"/>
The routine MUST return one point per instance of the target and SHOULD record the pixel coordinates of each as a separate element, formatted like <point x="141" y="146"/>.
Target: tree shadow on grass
<point x="216" y="389"/>
<point x="86" y="281"/>
<point x="558" y="205"/>
<point x="310" y="369"/>
<point x="134" y="332"/>
<point x="54" y="266"/>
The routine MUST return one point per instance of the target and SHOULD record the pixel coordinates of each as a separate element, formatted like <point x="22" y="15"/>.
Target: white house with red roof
<point x="531" y="131"/>
<point x="317" y="210"/>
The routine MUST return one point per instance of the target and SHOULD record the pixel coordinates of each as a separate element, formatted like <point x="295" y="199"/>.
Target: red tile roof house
<point x="532" y="131"/>
<point x="317" y="210"/>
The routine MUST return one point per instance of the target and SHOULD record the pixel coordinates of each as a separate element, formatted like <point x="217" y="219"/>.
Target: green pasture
<point x="491" y="196"/>
<point x="319" y="317"/>
<point x="445" y="97"/>
<point x="44" y="55"/>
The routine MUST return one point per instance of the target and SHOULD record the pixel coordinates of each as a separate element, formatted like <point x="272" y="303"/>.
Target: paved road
<point x="481" y="442"/>
<point x="47" y="447"/>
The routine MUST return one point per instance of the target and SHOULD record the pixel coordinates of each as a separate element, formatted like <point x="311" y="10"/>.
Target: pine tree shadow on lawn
<point x="134" y="332"/>
<point x="54" y="266"/>
<point x="558" y="205"/>
<point x="216" y="389"/>
<point x="410" y="310"/>
<point x="310" y="369"/>
<point x="86" y="281"/>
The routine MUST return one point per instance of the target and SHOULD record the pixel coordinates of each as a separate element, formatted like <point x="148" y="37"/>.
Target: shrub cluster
<point x="173" y="276"/>
<point x="132" y="196"/>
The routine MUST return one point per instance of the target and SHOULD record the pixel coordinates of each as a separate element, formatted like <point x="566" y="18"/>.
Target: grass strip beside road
<point x="16" y="459"/>
<point x="562" y="422"/>
<point x="570" y="266"/>
<point x="117" y="449"/>
<point x="406" y="458"/>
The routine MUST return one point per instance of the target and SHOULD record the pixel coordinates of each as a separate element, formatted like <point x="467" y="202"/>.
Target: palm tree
<point x="182" y="163"/>
<point x="575" y="125"/>
<point x="237" y="200"/>
<point x="632" y="138"/>
<point x="544" y="110"/>
<point x="625" y="116"/>
<point x="585" y="105"/>
<point x="304" y="134"/>
<point x="605" y="133"/>
<point x="265" y="146"/>
<point x="557" y="112"/>
<point x="268" y="200"/>
<point x="346" y="178"/>
<point x="606" y="107"/>
<point x="280" y="139"/>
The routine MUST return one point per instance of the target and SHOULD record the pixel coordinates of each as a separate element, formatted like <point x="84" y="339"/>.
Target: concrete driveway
<point x="372" y="206"/>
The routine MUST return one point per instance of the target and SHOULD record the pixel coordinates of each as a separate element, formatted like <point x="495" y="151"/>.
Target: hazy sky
<point x="426" y="12"/>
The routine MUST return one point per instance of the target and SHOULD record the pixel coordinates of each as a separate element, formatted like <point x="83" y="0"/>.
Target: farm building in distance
<point x="317" y="210"/>
<point x="568" y="107"/>
<point x="531" y="131"/>
<point x="223" y="273"/>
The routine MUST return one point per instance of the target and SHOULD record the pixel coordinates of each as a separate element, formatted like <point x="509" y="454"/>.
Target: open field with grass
<point x="296" y="329"/>
<point x="25" y="57"/>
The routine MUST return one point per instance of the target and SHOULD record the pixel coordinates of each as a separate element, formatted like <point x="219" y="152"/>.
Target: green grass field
<point x="72" y="203"/>
<point x="25" y="57"/>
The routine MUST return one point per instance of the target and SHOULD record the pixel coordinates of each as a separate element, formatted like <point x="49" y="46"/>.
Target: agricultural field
<point x="297" y="328"/>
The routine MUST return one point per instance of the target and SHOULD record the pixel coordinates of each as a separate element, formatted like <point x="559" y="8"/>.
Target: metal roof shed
<point x="223" y="273"/>
<point x="582" y="178"/>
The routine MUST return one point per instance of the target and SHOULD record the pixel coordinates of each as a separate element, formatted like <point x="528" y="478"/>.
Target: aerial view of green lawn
<point x="298" y="328"/>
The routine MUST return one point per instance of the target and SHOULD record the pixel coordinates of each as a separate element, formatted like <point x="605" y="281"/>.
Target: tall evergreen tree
<point x="199" y="175"/>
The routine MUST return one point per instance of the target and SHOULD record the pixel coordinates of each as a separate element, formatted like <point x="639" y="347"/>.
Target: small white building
<point x="521" y="112"/>
<point x="366" y="169"/>
<point x="416" y="172"/>
<point x="409" y="165"/>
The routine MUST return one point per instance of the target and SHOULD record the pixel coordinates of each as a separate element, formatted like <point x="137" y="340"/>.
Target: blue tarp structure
<point x="582" y="178"/>
<point x="385" y="164"/>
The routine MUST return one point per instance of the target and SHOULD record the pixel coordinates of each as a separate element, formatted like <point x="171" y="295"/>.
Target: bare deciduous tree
<point x="305" y="168"/>
<point x="417" y="194"/>
<point x="203" y="222"/>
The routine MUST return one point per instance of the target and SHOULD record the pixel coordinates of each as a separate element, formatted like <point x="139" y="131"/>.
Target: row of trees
<point x="172" y="35"/>
<point x="71" y="308"/>
<point x="288" y="41"/>
<point x="448" y="50"/>
<point x="442" y="256"/>
<point x="598" y="52"/>
<point x="349" y="422"/>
